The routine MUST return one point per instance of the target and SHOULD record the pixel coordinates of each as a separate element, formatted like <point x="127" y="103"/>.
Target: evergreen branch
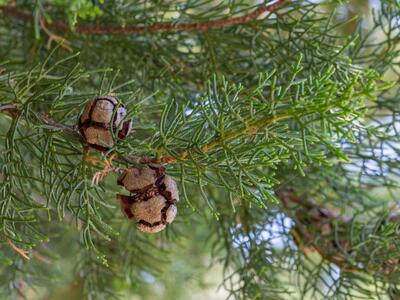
<point x="252" y="128"/>
<point x="156" y="28"/>
<point x="230" y="146"/>
<point x="13" y="111"/>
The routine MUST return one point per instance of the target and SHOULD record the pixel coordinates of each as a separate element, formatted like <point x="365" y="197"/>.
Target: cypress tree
<point x="144" y="141"/>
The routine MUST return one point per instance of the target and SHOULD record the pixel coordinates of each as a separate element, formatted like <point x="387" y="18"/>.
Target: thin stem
<point x="55" y="38"/>
<point x="156" y="28"/>
<point x="250" y="129"/>
<point x="20" y="251"/>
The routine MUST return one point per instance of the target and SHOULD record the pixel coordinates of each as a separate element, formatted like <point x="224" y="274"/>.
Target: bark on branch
<point x="155" y="28"/>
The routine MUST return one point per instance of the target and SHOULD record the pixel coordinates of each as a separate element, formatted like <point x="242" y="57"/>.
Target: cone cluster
<point x="153" y="194"/>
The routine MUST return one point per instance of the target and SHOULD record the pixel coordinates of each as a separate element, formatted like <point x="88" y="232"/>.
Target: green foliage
<point x="304" y="100"/>
<point x="83" y="9"/>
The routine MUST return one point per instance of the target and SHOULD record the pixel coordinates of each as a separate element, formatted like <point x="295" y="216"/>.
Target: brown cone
<point x="95" y="122"/>
<point x="153" y="198"/>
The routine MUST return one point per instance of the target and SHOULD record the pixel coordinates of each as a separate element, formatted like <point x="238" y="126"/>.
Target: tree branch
<point x="156" y="28"/>
<point x="12" y="110"/>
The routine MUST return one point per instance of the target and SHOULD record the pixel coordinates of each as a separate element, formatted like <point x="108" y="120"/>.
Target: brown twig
<point x="44" y="117"/>
<point x="55" y="38"/>
<point x="20" y="251"/>
<point x="156" y="28"/>
<point x="25" y="253"/>
<point x="40" y="257"/>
